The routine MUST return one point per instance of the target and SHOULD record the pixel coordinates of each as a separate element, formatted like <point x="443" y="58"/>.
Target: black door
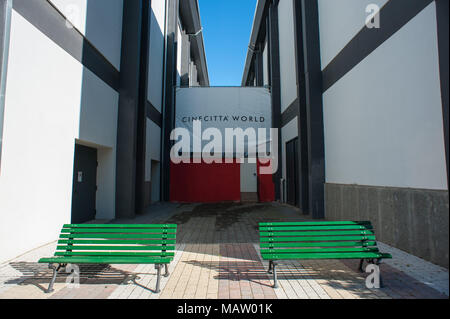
<point x="84" y="184"/>
<point x="292" y="172"/>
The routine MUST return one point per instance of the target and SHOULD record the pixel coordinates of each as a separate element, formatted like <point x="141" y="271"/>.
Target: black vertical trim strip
<point x="169" y="105"/>
<point x="274" y="48"/>
<point x="442" y="12"/>
<point x="141" y="196"/>
<point x="393" y="16"/>
<point x="46" y="18"/>
<point x="128" y="109"/>
<point x="302" y="123"/>
<point x="312" y="79"/>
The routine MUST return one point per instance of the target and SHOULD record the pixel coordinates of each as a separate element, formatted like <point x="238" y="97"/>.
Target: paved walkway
<point x="217" y="256"/>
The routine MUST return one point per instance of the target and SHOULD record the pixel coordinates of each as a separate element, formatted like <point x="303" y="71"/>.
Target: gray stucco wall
<point x="413" y="220"/>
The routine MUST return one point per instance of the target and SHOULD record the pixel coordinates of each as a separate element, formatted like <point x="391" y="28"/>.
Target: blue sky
<point x="226" y="30"/>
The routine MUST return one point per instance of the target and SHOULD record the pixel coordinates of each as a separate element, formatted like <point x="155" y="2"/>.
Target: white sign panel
<point x="224" y="108"/>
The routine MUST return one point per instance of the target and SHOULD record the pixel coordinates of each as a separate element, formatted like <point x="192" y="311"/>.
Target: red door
<point x="266" y="187"/>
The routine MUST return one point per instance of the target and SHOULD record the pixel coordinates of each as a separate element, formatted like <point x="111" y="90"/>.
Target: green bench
<point x="114" y="244"/>
<point x="318" y="240"/>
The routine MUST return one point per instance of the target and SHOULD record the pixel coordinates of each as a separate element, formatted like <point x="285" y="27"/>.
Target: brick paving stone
<point x="217" y="256"/>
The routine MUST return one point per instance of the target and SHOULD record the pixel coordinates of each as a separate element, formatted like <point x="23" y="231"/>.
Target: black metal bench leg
<point x="166" y="270"/>
<point x="158" y="278"/>
<point x="361" y="263"/>
<point x="55" y="272"/>
<point x="270" y="267"/>
<point x="275" y="282"/>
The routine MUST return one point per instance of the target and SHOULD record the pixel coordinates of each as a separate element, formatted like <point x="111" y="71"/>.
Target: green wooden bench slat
<point x="319" y="250"/>
<point x="316" y="233"/>
<point x="319" y="223"/>
<point x="289" y="228"/>
<point x="157" y="231"/>
<point x="115" y="248"/>
<point x="120" y="226"/>
<point x="115" y="253"/>
<point x="320" y="244"/>
<point x="314" y="238"/>
<point x="116" y="242"/>
<point x="356" y="255"/>
<point x="318" y="240"/>
<point x="107" y="260"/>
<point x="115" y="236"/>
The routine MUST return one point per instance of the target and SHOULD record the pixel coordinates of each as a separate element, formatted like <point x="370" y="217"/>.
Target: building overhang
<point x="257" y="22"/>
<point x="190" y="16"/>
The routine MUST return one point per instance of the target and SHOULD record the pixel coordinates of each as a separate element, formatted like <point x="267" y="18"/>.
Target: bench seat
<point x="106" y="260"/>
<point x="318" y="240"/>
<point x="114" y="244"/>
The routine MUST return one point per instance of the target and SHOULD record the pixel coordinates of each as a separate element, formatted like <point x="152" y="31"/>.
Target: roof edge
<point x="257" y="20"/>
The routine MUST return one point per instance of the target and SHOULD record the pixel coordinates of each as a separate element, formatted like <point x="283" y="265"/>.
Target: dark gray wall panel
<point x="413" y="220"/>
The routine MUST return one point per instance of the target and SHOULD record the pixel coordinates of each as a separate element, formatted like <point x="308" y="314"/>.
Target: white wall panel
<point x="100" y="21"/>
<point x="98" y="126"/>
<point x="42" y="103"/>
<point x="383" y="120"/>
<point x="287" y="53"/>
<point x="339" y="22"/>
<point x="156" y="53"/>
<point x="74" y="11"/>
<point x="51" y="101"/>
<point x="265" y="64"/>
<point x="179" y="54"/>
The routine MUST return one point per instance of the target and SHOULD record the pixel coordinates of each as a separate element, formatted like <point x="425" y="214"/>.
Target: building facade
<point x="87" y="105"/>
<point x="360" y="94"/>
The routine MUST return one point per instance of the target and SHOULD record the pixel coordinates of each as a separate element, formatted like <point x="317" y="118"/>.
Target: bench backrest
<point x="117" y="240"/>
<point x="309" y="239"/>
